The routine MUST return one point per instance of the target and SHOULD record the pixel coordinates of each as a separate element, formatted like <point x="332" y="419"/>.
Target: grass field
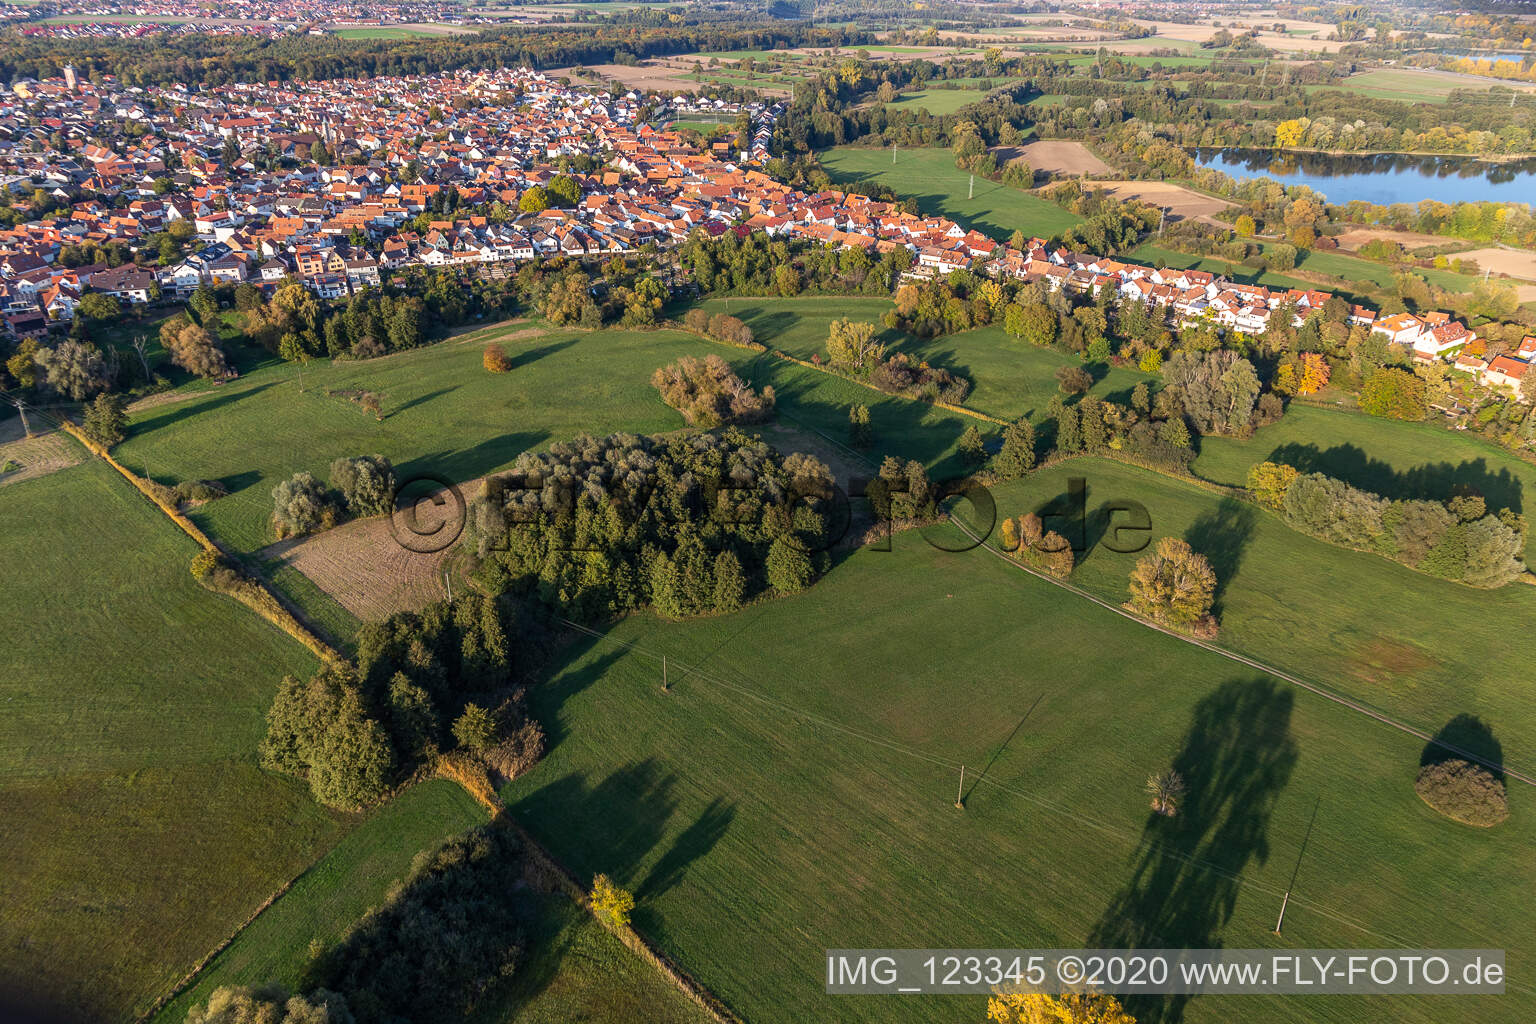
<point x="333" y="894"/>
<point x="1401" y="85"/>
<point x="930" y="176"/>
<point x="444" y="414"/>
<point x="1390" y="457"/>
<point x="382" y="32"/>
<point x="794" y="792"/>
<point x="1009" y="377"/>
<point x="939" y="101"/>
<point x="140" y="830"/>
<point x="1378" y="642"/>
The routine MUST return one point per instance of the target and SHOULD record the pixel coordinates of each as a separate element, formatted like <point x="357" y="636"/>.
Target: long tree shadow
<point x="533" y="355"/>
<point x="1462" y="736"/>
<point x="694" y="842"/>
<point x="1433" y="481"/>
<point x="420" y="400"/>
<point x="470" y="463"/>
<point x="1222" y="536"/>
<point x="1236" y="757"/>
<point x="610" y="827"/>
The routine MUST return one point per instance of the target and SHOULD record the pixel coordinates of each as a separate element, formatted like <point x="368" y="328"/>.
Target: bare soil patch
<point x="361" y="566"/>
<point x="1180" y="202"/>
<point x="1354" y="238"/>
<point x="1519" y="263"/>
<point x="1058" y="156"/>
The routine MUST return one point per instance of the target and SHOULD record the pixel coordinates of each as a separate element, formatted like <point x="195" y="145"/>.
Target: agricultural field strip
<point x="696" y="672"/>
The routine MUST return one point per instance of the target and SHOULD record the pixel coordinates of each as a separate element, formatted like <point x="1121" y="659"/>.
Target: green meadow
<point x="141" y="830"/>
<point x="795" y="791"/>
<point x="931" y="178"/>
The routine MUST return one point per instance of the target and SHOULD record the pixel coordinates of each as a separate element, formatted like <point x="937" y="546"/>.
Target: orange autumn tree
<point x="1314" y="373"/>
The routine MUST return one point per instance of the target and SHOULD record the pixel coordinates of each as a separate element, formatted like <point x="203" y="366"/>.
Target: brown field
<point x="1056" y="156"/>
<point x="38" y="455"/>
<point x="1354" y="238"/>
<point x="660" y="75"/>
<point x="1180" y="202"/>
<point x="1518" y="263"/>
<point x="1304" y="35"/>
<point x="361" y="568"/>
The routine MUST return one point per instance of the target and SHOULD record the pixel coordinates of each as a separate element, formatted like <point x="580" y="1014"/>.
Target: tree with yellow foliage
<point x="610" y="903"/>
<point x="1072" y="1008"/>
<point x="1290" y="133"/>
<point x="1245" y="226"/>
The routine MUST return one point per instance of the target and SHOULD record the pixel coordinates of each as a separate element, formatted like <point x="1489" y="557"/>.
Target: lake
<point x="1383" y="178"/>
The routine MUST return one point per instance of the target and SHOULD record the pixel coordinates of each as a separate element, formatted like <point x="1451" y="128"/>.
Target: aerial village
<point x="353" y="165"/>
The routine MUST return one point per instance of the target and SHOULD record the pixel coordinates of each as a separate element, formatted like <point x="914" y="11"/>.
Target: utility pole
<point x="893" y="154"/>
<point x="960" y="793"/>
<point x="665" y="686"/>
<point x="970" y="193"/>
<point x="1280" y="922"/>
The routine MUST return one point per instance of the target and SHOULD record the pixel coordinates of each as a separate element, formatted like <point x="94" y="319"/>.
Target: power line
<point x="1098" y="824"/>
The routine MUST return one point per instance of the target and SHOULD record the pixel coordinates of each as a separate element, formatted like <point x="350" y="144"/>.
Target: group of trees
<point x="699" y="524"/>
<point x="709" y="393"/>
<point x="1026" y="539"/>
<point x="855" y="348"/>
<point x="361" y="486"/>
<point x="752" y="263"/>
<point x="70" y="368"/>
<point x="1175" y="586"/>
<point x="720" y="326"/>
<point x="1457" y="539"/>
<point x="421" y="684"/>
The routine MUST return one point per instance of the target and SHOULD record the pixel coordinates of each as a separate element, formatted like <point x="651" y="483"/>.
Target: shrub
<point x="1463" y="791"/>
<point x="270" y="1005"/>
<point x="1394" y="394"/>
<point x="301" y="504"/>
<point x="203" y="563"/>
<point x="520" y="751"/>
<point x="709" y="394"/>
<point x="198" y="490"/>
<point x="899" y="375"/>
<point x="1073" y="380"/>
<point x="366" y="483"/>
<point x="495" y="359"/>
<point x="610" y="903"/>
<point x="1268" y="482"/>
